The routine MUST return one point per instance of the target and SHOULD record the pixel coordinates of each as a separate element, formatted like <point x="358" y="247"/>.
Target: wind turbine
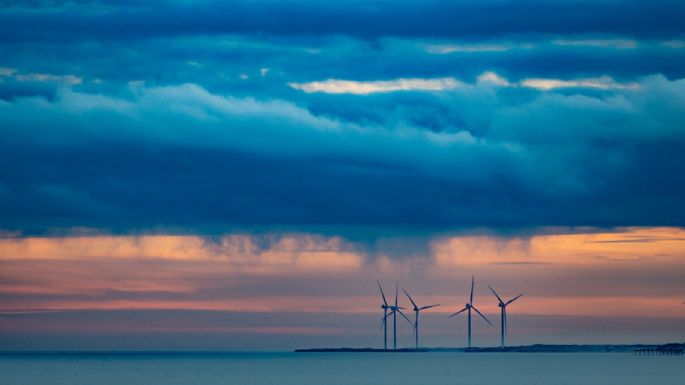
<point x="468" y="307"/>
<point x="394" y="309"/>
<point x="503" y="307"/>
<point x="416" y="316"/>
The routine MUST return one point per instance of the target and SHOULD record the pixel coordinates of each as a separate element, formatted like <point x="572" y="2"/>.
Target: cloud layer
<point x="212" y="117"/>
<point x="117" y="20"/>
<point x="488" y="154"/>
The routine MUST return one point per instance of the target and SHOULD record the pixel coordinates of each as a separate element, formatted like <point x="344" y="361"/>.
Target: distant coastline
<point x="537" y="348"/>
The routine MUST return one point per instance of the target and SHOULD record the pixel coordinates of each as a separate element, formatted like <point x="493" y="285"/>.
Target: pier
<point x="659" y="352"/>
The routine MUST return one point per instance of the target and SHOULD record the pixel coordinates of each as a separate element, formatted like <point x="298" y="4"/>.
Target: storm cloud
<point x="478" y="155"/>
<point x="416" y="118"/>
<point x="470" y="19"/>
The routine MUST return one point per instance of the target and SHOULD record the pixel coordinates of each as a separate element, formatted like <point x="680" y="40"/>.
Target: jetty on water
<point x="659" y="352"/>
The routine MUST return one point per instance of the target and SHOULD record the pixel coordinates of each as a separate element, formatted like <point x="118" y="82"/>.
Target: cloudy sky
<point x="237" y="174"/>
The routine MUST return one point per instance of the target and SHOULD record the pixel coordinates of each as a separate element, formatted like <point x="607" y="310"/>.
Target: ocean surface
<point x="342" y="369"/>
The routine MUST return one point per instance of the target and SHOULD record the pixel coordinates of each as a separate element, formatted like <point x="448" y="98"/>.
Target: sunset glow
<point x="190" y="272"/>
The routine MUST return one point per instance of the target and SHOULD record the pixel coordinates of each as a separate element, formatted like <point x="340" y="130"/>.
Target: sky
<point x="235" y="175"/>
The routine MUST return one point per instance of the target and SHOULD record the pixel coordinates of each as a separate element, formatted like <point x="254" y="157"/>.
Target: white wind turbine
<point x="503" y="306"/>
<point x="416" y="316"/>
<point x="384" y="325"/>
<point x="394" y="309"/>
<point x="468" y="307"/>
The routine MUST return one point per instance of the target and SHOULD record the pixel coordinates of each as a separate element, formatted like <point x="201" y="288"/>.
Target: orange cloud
<point x="657" y="245"/>
<point x="237" y="252"/>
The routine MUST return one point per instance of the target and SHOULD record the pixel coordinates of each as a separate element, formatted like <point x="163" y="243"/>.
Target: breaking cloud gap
<point x="336" y="86"/>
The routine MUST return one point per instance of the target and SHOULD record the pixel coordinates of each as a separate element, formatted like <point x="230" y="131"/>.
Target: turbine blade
<point x="428" y="307"/>
<point x="405" y="317"/>
<point x="395" y="293"/>
<point x="382" y="323"/>
<point x="382" y="294"/>
<point x="514" y="299"/>
<point x="460" y="311"/>
<point x="495" y="293"/>
<point x="408" y="296"/>
<point x="481" y="314"/>
<point x="472" y="282"/>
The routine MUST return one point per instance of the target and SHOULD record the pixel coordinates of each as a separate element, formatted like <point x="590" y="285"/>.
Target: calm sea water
<point x="341" y="368"/>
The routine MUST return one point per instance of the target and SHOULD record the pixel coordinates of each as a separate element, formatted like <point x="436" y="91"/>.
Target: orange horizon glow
<point x="188" y="272"/>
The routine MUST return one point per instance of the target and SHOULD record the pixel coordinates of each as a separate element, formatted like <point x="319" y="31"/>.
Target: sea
<point x="287" y="368"/>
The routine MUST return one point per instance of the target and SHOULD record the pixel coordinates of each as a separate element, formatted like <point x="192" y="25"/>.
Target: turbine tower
<point x="394" y="309"/>
<point x="503" y="307"/>
<point x="416" y="316"/>
<point x="468" y="307"/>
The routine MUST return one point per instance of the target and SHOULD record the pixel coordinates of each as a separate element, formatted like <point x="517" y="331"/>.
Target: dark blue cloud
<point x="464" y="19"/>
<point x="181" y="158"/>
<point x="262" y="67"/>
<point x="99" y="133"/>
